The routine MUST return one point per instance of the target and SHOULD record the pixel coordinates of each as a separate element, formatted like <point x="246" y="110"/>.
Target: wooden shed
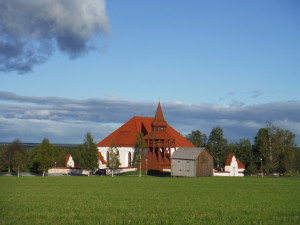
<point x="192" y="162"/>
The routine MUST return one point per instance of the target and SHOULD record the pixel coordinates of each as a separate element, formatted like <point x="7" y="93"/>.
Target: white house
<point x="69" y="161"/>
<point x="233" y="167"/>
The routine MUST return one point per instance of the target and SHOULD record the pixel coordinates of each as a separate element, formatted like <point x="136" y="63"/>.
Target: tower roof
<point x="159" y="120"/>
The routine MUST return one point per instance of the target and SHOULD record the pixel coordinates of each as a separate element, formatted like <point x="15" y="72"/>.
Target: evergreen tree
<point x="244" y="153"/>
<point x="88" y="152"/>
<point x="217" y="146"/>
<point x="113" y="157"/>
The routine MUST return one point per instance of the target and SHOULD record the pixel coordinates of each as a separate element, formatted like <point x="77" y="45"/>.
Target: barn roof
<point x="187" y="153"/>
<point x="125" y="135"/>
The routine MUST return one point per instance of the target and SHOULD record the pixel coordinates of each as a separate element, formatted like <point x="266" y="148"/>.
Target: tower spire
<point x="159" y="120"/>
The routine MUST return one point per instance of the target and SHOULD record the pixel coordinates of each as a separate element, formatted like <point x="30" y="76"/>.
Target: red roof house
<point x="69" y="161"/>
<point x="234" y="166"/>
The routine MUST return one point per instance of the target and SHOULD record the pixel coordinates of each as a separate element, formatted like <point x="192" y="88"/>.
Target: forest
<point x="274" y="150"/>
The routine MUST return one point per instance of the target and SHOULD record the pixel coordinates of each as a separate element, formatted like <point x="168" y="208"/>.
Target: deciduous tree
<point x="44" y="156"/>
<point x="19" y="161"/>
<point x="139" y="147"/>
<point x="113" y="157"/>
<point x="277" y="148"/>
<point x="197" y="138"/>
<point x="15" y="146"/>
<point x="217" y="146"/>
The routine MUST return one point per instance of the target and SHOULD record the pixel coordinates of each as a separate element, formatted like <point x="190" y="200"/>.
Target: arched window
<point x="129" y="159"/>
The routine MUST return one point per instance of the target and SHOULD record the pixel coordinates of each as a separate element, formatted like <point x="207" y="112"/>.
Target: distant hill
<point x="32" y="145"/>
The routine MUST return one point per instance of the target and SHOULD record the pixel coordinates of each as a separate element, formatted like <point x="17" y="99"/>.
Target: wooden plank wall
<point x="204" y="165"/>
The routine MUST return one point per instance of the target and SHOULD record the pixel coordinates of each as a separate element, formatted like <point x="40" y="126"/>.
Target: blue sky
<point x="238" y="57"/>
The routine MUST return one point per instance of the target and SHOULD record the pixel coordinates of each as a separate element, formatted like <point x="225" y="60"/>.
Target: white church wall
<point x="65" y="171"/>
<point x="123" y="153"/>
<point x="233" y="168"/>
<point x="101" y="165"/>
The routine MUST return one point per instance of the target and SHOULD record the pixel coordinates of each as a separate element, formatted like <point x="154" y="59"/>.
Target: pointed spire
<point x="159" y="120"/>
<point x="159" y="114"/>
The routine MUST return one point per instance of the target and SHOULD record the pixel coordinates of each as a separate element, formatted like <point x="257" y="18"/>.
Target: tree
<point x="197" y="138"/>
<point x="44" y="156"/>
<point x="3" y="158"/>
<point x="139" y="147"/>
<point x="13" y="147"/>
<point x="261" y="147"/>
<point x="19" y="161"/>
<point x="216" y="145"/>
<point x="62" y="151"/>
<point x="113" y="157"/>
<point x="277" y="148"/>
<point x="285" y="147"/>
<point x="243" y="151"/>
<point x="297" y="156"/>
<point x="88" y="154"/>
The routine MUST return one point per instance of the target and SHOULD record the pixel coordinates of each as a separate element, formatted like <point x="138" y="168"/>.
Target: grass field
<point x="149" y="200"/>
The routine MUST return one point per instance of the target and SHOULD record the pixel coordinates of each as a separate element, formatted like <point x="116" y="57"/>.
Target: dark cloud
<point x="31" y="30"/>
<point x="68" y="119"/>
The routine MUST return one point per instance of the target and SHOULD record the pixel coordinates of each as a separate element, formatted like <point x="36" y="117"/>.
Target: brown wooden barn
<point x="192" y="162"/>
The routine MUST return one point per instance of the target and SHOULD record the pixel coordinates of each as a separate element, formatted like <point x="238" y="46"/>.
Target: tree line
<point x="274" y="149"/>
<point x="15" y="157"/>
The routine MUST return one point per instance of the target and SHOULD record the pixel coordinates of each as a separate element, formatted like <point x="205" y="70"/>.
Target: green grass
<point x="149" y="200"/>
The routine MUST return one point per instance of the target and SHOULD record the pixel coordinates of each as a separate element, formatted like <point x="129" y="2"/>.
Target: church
<point x="161" y="140"/>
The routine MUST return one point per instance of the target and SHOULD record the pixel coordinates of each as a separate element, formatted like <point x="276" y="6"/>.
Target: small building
<point x="192" y="162"/>
<point x="69" y="161"/>
<point x="233" y="167"/>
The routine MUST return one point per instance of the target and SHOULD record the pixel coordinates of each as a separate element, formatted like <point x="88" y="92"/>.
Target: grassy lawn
<point x="149" y="200"/>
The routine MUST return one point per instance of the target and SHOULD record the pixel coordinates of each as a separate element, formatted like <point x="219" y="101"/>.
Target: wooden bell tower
<point x="159" y="144"/>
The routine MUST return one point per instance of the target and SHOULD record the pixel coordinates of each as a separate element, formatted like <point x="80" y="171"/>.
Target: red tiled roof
<point x="101" y="158"/>
<point x="68" y="157"/>
<point x="125" y="135"/>
<point x="158" y="134"/>
<point x="229" y="159"/>
<point x="240" y="164"/>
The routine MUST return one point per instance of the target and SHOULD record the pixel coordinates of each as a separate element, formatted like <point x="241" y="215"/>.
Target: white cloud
<point x="68" y="119"/>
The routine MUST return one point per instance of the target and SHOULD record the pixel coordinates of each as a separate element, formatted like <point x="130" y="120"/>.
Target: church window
<point x="107" y="159"/>
<point x="129" y="159"/>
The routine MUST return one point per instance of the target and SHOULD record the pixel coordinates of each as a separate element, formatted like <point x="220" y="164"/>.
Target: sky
<point x="70" y="67"/>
